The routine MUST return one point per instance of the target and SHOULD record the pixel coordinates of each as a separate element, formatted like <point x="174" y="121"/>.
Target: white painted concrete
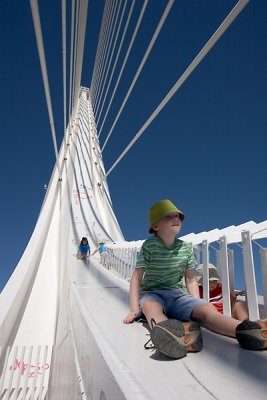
<point x="71" y="306"/>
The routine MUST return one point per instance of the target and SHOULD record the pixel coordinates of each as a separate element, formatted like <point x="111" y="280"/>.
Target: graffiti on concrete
<point x="22" y="367"/>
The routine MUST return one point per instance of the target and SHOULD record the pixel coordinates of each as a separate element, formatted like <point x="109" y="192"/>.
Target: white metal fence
<point x="25" y="374"/>
<point x="121" y="258"/>
<point x="236" y="249"/>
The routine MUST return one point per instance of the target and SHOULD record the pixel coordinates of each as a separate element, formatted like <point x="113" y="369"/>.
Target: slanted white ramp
<point x="32" y="303"/>
<point x="62" y="335"/>
<point x="61" y="330"/>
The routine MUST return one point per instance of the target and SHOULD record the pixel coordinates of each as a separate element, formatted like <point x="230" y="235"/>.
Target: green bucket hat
<point x="160" y="210"/>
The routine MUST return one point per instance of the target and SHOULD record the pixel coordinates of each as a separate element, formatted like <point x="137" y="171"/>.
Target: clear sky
<point x="206" y="151"/>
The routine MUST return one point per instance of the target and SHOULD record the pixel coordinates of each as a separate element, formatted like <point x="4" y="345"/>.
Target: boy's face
<point x="213" y="285"/>
<point x="170" y="224"/>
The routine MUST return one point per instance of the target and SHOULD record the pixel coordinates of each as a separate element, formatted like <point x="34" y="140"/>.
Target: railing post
<point x="218" y="261"/>
<point x="126" y="256"/>
<point x="134" y="262"/>
<point x="225" y="276"/>
<point x="231" y="269"/>
<point x="130" y="263"/>
<point x="205" y="258"/>
<point x="123" y="256"/>
<point x="250" y="282"/>
<point x="119" y="259"/>
<point x="197" y="253"/>
<point x="263" y="254"/>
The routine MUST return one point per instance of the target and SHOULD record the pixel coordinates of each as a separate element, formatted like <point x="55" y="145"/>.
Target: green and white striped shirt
<point x="164" y="267"/>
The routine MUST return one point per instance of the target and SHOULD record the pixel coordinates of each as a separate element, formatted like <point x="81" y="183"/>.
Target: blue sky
<point x="206" y="151"/>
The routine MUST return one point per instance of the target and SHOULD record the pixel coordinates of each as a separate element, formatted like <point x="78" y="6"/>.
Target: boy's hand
<point x="240" y="293"/>
<point x="235" y="293"/>
<point x="130" y="317"/>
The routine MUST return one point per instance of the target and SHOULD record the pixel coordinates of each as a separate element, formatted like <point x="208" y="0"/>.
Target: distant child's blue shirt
<point x="84" y="248"/>
<point x="101" y="247"/>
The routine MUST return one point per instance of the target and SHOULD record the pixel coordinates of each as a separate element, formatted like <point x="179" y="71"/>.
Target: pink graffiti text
<point x="79" y="195"/>
<point x="33" y="369"/>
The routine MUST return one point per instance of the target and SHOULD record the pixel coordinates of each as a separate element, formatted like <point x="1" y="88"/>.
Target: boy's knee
<point x="202" y="312"/>
<point x="150" y="305"/>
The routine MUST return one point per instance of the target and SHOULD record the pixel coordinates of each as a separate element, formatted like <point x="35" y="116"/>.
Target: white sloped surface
<point x="222" y="370"/>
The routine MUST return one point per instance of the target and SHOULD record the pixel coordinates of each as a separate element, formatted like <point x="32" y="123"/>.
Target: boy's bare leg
<point x="239" y="310"/>
<point x="215" y="321"/>
<point x="153" y="310"/>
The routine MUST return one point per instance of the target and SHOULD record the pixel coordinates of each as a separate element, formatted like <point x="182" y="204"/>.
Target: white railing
<point x="121" y="258"/>
<point x="26" y="372"/>
<point x="236" y="249"/>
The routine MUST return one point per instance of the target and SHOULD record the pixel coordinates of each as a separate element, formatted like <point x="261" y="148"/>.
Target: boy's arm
<point x="191" y="282"/>
<point x="134" y="295"/>
<point x="96" y="250"/>
<point x="235" y="293"/>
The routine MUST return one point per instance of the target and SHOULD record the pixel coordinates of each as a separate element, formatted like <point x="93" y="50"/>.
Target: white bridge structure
<point x="62" y="335"/>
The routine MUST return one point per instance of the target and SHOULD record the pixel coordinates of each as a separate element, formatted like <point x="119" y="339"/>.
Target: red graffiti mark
<point x="80" y="195"/>
<point x="33" y="370"/>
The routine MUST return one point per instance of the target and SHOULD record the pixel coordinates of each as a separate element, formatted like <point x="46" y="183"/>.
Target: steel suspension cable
<point x="64" y="55"/>
<point x="103" y="49"/>
<point x="106" y="47"/>
<point x="71" y="60"/>
<point x="77" y="60"/>
<point x="96" y="63"/>
<point x="112" y="52"/>
<point x="80" y="47"/>
<point x="214" y="38"/>
<point x="125" y="61"/>
<point x="40" y="46"/>
<point x="99" y="49"/>
<point x="75" y="50"/>
<point x="118" y="54"/>
<point x="139" y="70"/>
